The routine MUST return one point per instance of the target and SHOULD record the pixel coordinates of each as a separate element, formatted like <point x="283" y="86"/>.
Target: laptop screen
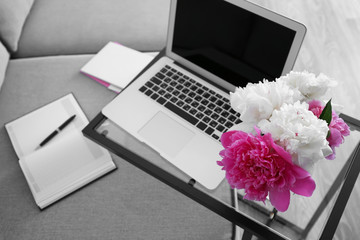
<point x="230" y="42"/>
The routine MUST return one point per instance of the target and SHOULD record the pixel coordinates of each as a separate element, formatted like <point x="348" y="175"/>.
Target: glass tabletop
<point x="314" y="217"/>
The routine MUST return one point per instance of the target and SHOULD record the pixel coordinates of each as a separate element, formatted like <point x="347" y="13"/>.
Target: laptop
<point x="180" y="105"/>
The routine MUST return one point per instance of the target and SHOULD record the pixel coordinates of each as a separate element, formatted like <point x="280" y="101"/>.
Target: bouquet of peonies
<point x="286" y="128"/>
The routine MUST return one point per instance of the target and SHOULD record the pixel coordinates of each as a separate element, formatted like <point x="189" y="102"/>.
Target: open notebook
<point x="67" y="162"/>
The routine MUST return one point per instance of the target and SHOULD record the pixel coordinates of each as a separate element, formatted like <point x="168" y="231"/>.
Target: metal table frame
<point x="347" y="178"/>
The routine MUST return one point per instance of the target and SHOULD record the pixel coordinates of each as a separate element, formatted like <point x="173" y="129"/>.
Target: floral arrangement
<point x="286" y="128"/>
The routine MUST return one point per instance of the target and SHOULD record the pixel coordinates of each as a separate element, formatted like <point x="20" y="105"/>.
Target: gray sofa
<point x="43" y="45"/>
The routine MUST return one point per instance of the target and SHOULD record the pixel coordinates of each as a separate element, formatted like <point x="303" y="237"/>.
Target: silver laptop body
<point x="212" y="47"/>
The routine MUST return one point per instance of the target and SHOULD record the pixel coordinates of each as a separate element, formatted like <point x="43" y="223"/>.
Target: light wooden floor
<point x="331" y="46"/>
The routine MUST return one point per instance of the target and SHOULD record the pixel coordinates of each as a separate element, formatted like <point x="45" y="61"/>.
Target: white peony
<point x="257" y="101"/>
<point x="299" y="132"/>
<point x="310" y="86"/>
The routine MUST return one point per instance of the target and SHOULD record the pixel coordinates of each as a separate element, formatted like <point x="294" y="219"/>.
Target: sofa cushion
<point x="4" y="59"/>
<point x="12" y="17"/>
<point x="125" y="204"/>
<point x="85" y="26"/>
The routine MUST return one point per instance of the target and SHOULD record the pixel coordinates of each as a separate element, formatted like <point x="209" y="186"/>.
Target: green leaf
<point x="326" y="113"/>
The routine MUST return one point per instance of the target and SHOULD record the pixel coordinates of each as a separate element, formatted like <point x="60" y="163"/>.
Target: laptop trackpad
<point x="165" y="134"/>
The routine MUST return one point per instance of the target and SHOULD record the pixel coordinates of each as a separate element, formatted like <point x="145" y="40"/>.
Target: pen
<point x="54" y="133"/>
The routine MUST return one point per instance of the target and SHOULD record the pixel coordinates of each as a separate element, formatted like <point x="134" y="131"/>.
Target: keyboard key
<point x="173" y="83"/>
<point x="201" y="126"/>
<point x="173" y="99"/>
<point x="195" y="104"/>
<point x="209" y="130"/>
<point x="226" y="106"/>
<point x="206" y="95"/>
<point x="167" y="96"/>
<point x="160" y="75"/>
<point x="214" y="116"/>
<point x="176" y="92"/>
<point x="218" y="110"/>
<point x="155" y="96"/>
<point x="199" y="115"/>
<point x="211" y="106"/>
<point x="222" y="120"/>
<point x="206" y="119"/>
<point x="179" y="87"/>
<point x="181" y="113"/>
<point x="148" y="92"/>
<point x="161" y="92"/>
<point x="155" y="80"/>
<point x="193" y="111"/>
<point x="200" y="91"/>
<point x="213" y="99"/>
<point x="186" y="107"/>
<point x="189" y="100"/>
<point x="220" y="128"/>
<point x="185" y="90"/>
<point x="232" y="111"/>
<point x="163" y="70"/>
<point x="193" y="88"/>
<point x="201" y="108"/>
<point x="215" y="136"/>
<point x="142" y="89"/>
<point x="228" y="124"/>
<point x="225" y="114"/>
<point x="204" y="102"/>
<point x="149" y="84"/>
<point x="161" y="100"/>
<point x="219" y="103"/>
<point x="182" y="96"/>
<point x="198" y="98"/>
<point x="213" y="123"/>
<point x="167" y="80"/>
<point x="232" y="118"/>
<point x="164" y="85"/>
<point x="180" y="103"/>
<point x="226" y="100"/>
<point x="208" y="112"/>
<point x="169" y="74"/>
<point x="155" y="88"/>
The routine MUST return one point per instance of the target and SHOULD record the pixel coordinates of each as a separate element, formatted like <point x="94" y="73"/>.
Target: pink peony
<point x="338" y="128"/>
<point x="261" y="167"/>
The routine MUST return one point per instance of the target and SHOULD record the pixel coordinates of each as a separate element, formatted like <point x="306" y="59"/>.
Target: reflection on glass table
<point x="314" y="217"/>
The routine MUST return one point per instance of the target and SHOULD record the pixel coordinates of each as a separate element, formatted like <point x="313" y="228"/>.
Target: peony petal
<point x="299" y="172"/>
<point x="284" y="154"/>
<point x="304" y="187"/>
<point x="280" y="199"/>
<point x="226" y="140"/>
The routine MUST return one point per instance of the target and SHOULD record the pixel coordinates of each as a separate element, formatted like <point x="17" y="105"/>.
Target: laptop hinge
<point x="202" y="77"/>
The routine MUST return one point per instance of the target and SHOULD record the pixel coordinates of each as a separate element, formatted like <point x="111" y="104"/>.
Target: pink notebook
<point x="115" y="65"/>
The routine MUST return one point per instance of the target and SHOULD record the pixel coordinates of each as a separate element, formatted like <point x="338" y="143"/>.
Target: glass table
<point x="307" y="218"/>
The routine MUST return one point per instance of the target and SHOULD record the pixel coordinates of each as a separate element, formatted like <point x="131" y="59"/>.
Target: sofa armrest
<point x="4" y="59"/>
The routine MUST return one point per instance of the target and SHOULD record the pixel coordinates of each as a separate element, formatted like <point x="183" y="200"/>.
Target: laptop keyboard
<point x="197" y="104"/>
